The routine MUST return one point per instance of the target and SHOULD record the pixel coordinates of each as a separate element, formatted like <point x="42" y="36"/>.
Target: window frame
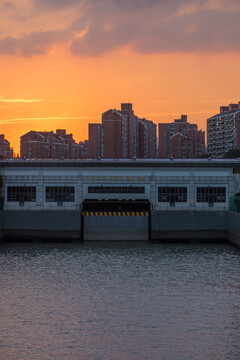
<point x="103" y="189"/>
<point x="60" y="194"/>
<point x="29" y="193"/>
<point x="211" y="197"/>
<point x="171" y="196"/>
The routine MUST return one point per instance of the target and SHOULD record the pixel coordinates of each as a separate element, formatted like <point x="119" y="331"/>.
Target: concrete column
<point x="79" y="190"/>
<point x="153" y="191"/>
<point x="192" y="200"/>
<point x="233" y="186"/>
<point x="40" y="192"/>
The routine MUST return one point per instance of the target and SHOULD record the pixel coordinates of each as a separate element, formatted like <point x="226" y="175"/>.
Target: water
<point x="119" y="301"/>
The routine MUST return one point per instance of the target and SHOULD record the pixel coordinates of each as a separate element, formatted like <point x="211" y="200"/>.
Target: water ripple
<point x="119" y="301"/>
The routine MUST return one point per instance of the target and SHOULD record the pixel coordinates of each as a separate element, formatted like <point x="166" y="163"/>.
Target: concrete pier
<point x="234" y="228"/>
<point x="198" y="225"/>
<point x="165" y="226"/>
<point x="24" y="225"/>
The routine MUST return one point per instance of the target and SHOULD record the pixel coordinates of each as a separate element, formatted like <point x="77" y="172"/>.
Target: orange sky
<point x="62" y="89"/>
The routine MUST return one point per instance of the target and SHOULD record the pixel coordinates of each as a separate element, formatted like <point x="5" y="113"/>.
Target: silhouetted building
<point x="5" y="150"/>
<point x="115" y="134"/>
<point x="47" y="144"/>
<point x="181" y="140"/>
<point x="223" y="131"/>
<point x="147" y="139"/>
<point x="95" y="140"/>
<point x="122" y="135"/>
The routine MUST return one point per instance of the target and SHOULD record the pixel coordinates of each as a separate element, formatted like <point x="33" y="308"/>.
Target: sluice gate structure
<point x="116" y="219"/>
<point x="143" y="200"/>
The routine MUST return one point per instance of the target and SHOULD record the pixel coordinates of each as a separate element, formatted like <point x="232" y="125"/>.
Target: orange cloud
<point x="96" y="27"/>
<point x="21" y="100"/>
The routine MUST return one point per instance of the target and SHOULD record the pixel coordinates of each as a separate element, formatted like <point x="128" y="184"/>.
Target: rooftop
<point x="144" y="163"/>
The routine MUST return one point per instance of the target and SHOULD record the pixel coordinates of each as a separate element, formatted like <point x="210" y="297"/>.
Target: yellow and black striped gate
<point x="115" y="213"/>
<point x="113" y="218"/>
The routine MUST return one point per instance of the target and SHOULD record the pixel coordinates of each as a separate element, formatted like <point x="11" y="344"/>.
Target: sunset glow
<point x="63" y="63"/>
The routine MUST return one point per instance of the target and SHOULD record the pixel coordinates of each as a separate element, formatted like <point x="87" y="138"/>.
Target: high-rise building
<point x="5" y="150"/>
<point x="115" y="134"/>
<point x="47" y="144"/>
<point x="124" y="135"/>
<point x="180" y="139"/>
<point x="223" y="131"/>
<point x="95" y="141"/>
<point x="132" y="130"/>
<point x="147" y="139"/>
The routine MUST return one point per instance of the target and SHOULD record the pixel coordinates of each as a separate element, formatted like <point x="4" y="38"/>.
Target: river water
<point x="119" y="301"/>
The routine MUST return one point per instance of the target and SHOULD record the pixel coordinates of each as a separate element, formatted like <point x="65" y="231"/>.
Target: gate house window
<point x="21" y="193"/>
<point x="116" y="189"/>
<point x="210" y="194"/>
<point x="60" y="194"/>
<point x="172" y="194"/>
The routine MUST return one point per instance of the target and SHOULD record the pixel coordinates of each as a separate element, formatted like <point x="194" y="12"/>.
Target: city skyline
<point x="120" y="129"/>
<point x="61" y="61"/>
<point x="122" y="134"/>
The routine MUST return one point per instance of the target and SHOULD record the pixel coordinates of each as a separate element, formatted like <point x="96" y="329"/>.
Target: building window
<point x="116" y="190"/>
<point x="172" y="194"/>
<point x="60" y="194"/>
<point x="21" y="194"/>
<point x="210" y="194"/>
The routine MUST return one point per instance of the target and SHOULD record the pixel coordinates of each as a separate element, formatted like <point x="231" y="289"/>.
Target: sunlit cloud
<point x="95" y="27"/>
<point x="21" y="100"/>
<point x="216" y="101"/>
<point x="28" y="119"/>
<point x="178" y="114"/>
<point x="161" y="101"/>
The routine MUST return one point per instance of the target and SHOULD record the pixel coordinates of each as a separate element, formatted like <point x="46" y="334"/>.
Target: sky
<point x="64" y="62"/>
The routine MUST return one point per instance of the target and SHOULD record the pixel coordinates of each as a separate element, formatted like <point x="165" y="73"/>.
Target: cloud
<point x="27" y="119"/>
<point x="177" y="114"/>
<point x="35" y="43"/>
<point x="190" y="26"/>
<point x="21" y="100"/>
<point x="145" y="26"/>
<point x="161" y="101"/>
<point x="54" y="5"/>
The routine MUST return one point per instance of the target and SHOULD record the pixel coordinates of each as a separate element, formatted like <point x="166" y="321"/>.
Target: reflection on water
<point x="119" y="301"/>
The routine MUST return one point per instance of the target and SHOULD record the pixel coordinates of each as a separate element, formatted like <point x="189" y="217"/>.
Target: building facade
<point x="194" y="185"/>
<point x="180" y="140"/>
<point x="95" y="141"/>
<point x="122" y="135"/>
<point x="47" y="144"/>
<point x="223" y="131"/>
<point x="115" y="135"/>
<point x="5" y="150"/>
<point x="147" y="139"/>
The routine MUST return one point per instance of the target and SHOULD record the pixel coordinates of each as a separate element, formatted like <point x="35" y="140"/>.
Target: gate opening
<point x="101" y="217"/>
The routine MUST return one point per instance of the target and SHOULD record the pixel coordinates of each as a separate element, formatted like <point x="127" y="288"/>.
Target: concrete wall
<point x="234" y="228"/>
<point x="1" y="225"/>
<point x="166" y="225"/>
<point x="189" y="225"/>
<point x="41" y="224"/>
<point x="113" y="228"/>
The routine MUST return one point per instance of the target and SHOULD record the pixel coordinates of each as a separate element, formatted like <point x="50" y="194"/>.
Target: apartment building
<point x="115" y="134"/>
<point x="47" y="144"/>
<point x="95" y="141"/>
<point x="5" y="150"/>
<point x="122" y="135"/>
<point x="180" y="140"/>
<point x="223" y="131"/>
<point x="147" y="139"/>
